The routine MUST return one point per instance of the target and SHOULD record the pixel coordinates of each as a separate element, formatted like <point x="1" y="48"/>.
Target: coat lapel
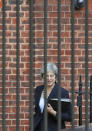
<point x="54" y="92"/>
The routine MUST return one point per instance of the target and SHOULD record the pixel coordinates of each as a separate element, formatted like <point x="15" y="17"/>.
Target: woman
<point x="52" y="92"/>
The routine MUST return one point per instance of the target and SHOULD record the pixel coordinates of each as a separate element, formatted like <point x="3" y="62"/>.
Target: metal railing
<point x="79" y="99"/>
<point x="32" y="53"/>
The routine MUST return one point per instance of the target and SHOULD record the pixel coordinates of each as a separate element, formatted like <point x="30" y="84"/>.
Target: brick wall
<point x="39" y="51"/>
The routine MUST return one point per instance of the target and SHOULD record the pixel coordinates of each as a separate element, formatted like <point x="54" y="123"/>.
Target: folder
<point x="65" y="104"/>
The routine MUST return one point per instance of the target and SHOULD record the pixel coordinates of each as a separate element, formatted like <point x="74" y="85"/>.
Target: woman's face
<point x="51" y="78"/>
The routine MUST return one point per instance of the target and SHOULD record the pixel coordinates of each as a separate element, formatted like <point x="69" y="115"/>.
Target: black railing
<point x="17" y="65"/>
<point x="79" y="99"/>
<point x="31" y="41"/>
<point x="3" y="65"/>
<point x="90" y="99"/>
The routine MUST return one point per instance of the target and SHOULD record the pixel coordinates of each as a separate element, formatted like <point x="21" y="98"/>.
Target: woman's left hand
<point x="50" y="110"/>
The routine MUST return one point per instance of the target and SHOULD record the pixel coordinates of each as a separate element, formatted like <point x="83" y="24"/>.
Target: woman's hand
<point x="50" y="110"/>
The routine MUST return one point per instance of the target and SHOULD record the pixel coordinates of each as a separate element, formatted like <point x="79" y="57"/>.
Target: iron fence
<point x="32" y="53"/>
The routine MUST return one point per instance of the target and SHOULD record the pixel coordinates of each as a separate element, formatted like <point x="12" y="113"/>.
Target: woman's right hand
<point x="50" y="110"/>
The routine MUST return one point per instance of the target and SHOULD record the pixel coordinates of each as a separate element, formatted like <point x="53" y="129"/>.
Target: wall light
<point x="78" y="4"/>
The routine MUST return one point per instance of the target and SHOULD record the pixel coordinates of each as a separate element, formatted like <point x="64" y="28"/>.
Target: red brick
<point x="0" y="4"/>
<point x="52" y="41"/>
<point x="24" y="122"/>
<point x="52" y="2"/>
<point x="12" y="128"/>
<point x="89" y="5"/>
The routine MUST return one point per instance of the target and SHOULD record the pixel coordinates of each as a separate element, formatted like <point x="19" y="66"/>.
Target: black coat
<point x="52" y="120"/>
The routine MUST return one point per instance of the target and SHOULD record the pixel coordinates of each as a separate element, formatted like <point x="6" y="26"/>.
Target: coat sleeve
<point x="36" y="98"/>
<point x="67" y="115"/>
